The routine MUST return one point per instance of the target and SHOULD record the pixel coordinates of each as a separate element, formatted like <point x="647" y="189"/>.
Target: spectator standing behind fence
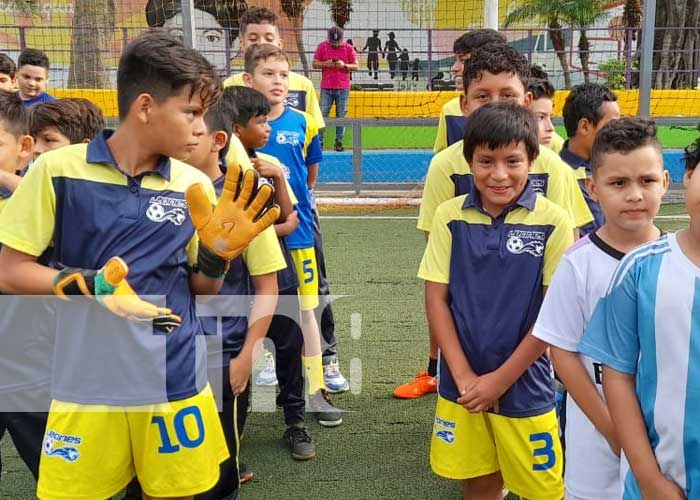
<point x="391" y="50"/>
<point x="403" y="67"/>
<point x="415" y="69"/>
<point x="374" y="44"/>
<point x="336" y="59"/>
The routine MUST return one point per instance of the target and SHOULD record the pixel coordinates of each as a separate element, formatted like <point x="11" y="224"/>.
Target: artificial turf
<point x="381" y="450"/>
<point x="672" y="137"/>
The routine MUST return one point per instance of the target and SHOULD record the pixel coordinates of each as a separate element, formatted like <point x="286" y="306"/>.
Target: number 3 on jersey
<point x="308" y="271"/>
<point x="190" y="413"/>
<point x="545" y="449"/>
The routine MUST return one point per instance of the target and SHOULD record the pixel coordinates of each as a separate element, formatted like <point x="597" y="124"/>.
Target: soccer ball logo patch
<point x="530" y="242"/>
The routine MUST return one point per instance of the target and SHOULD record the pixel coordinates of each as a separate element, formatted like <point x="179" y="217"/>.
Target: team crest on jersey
<point x="165" y="209"/>
<point x="539" y="183"/>
<point x="287" y="137"/>
<point x="61" y="446"/>
<point x="292" y="100"/>
<point x="522" y="241"/>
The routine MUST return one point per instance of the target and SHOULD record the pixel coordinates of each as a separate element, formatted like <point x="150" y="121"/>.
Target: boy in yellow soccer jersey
<point x="494" y="250"/>
<point x="294" y="141"/>
<point x="260" y="25"/>
<point x="494" y="73"/>
<point x="452" y="121"/>
<point x="129" y="388"/>
<point x="542" y="105"/>
<point x="587" y="109"/>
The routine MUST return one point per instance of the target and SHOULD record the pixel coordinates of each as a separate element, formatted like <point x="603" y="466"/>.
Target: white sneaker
<point x="334" y="380"/>
<point x="268" y="375"/>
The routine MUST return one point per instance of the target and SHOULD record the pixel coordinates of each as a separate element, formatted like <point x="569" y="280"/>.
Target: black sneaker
<point x="339" y="147"/>
<point x="300" y="443"/>
<point x="326" y="414"/>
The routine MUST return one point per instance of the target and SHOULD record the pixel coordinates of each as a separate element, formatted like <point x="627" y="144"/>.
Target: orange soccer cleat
<point x="420" y="386"/>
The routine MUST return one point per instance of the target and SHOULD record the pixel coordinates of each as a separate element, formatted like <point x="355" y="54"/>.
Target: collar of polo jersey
<point x="98" y="152"/>
<point x="527" y="199"/>
<point x="572" y="159"/>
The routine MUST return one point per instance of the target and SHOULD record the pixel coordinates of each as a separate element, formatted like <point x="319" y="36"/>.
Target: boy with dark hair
<point x="295" y="143"/>
<point x="586" y="110"/>
<point x="628" y="180"/>
<point x="62" y="122"/>
<point x="261" y="25"/>
<point x="250" y="112"/>
<point x="644" y="332"/>
<point x="495" y="73"/>
<point x="16" y="144"/>
<point x="7" y="72"/>
<point x="24" y="348"/>
<point x="495" y="422"/>
<point x="143" y="397"/>
<point x="32" y="77"/>
<point x="543" y="105"/>
<point x="452" y="121"/>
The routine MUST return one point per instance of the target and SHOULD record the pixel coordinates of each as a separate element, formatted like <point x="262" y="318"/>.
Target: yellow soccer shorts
<point x="526" y="451"/>
<point x="93" y="452"/>
<point x="307" y="271"/>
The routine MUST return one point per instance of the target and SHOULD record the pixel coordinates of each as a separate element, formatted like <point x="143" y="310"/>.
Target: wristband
<point x="210" y="264"/>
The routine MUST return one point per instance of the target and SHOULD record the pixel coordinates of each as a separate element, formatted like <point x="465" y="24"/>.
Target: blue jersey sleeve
<point x="612" y="335"/>
<point x="314" y="154"/>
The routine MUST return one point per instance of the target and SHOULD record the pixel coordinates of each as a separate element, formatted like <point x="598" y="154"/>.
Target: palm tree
<point x="340" y="11"/>
<point x="93" y="34"/>
<point x="631" y="21"/>
<point x="582" y="14"/>
<point x="551" y="13"/>
<point x="294" y="10"/>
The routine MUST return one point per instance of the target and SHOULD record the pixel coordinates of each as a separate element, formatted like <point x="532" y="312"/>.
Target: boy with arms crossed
<point x="628" y="180"/>
<point x="146" y="399"/>
<point x="494" y="250"/>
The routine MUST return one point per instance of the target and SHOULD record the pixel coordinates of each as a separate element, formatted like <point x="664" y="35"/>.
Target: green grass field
<point x="671" y="137"/>
<point x="381" y="450"/>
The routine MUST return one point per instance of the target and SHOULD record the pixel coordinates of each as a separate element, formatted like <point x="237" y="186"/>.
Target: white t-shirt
<point x="592" y="469"/>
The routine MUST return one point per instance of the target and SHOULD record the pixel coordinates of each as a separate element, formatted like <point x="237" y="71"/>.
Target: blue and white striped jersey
<point x="648" y="325"/>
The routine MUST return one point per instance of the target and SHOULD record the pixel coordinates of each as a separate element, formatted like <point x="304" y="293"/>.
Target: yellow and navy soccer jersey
<point x="78" y="198"/>
<point x="581" y="169"/>
<point x="294" y="142"/>
<point x="302" y="94"/>
<point x="557" y="143"/>
<point x="496" y="270"/>
<point x="450" y="126"/>
<point x="449" y="176"/>
<point x="262" y="256"/>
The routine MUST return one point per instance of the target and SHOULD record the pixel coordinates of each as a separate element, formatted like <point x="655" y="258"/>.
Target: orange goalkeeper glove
<point x="109" y="287"/>
<point x="224" y="231"/>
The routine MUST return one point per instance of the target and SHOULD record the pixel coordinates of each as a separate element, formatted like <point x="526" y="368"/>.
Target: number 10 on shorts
<point x="168" y="445"/>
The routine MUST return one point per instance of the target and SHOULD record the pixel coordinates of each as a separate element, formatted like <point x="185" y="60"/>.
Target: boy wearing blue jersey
<point x="587" y="108"/>
<point x="628" y="180"/>
<point x="130" y="392"/>
<point x="294" y="142"/>
<point x="491" y="250"/>
<point x="646" y="333"/>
